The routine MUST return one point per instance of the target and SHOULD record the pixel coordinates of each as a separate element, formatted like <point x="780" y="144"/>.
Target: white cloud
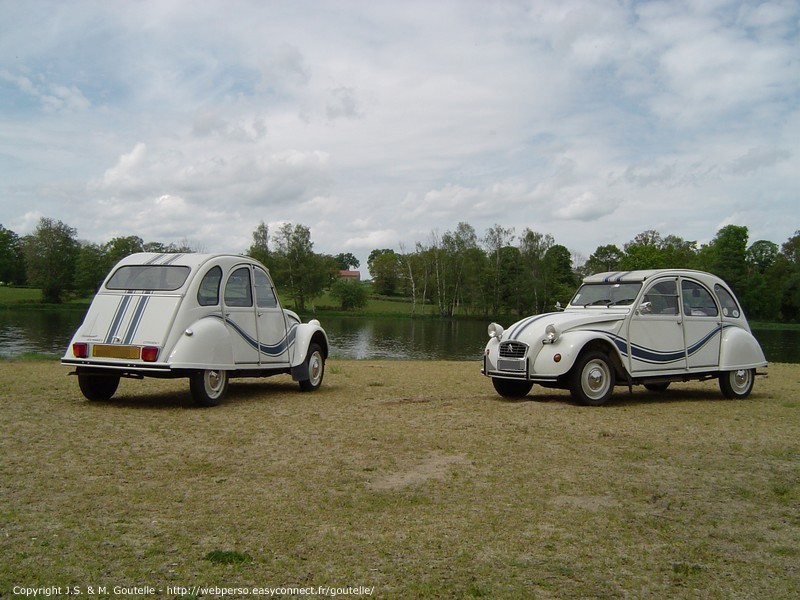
<point x="378" y="123"/>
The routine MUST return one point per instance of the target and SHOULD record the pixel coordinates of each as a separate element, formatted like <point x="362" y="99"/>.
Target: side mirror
<point x="558" y="305"/>
<point x="645" y="308"/>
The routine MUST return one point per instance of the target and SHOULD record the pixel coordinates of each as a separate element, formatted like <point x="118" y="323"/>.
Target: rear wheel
<point x="511" y="388"/>
<point x="737" y="384"/>
<point x="98" y="387"/>
<point x="208" y="387"/>
<point x="592" y="379"/>
<point x="315" y="362"/>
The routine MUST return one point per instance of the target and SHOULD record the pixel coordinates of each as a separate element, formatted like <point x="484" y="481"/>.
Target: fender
<point x="205" y="344"/>
<point x="569" y="346"/>
<point x="739" y="350"/>
<point x="306" y="333"/>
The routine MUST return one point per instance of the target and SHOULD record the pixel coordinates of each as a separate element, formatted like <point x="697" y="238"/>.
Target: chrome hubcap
<point x="596" y="380"/>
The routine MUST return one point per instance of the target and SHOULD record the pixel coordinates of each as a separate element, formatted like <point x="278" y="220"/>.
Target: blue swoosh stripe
<point x="652" y="356"/>
<point x="268" y="349"/>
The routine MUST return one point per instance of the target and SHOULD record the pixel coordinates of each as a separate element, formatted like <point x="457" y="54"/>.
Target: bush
<point x="350" y="294"/>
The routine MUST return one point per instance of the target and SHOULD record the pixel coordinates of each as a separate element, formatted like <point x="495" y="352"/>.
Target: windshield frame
<point x="606" y="294"/>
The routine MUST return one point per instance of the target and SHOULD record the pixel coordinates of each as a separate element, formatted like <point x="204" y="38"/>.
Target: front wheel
<point x="592" y="379"/>
<point x="208" y="387"/>
<point x="315" y="363"/>
<point x="737" y="384"/>
<point x="511" y="388"/>
<point x="98" y="387"/>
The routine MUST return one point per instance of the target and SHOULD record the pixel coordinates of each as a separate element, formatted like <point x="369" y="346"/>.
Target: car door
<point x="275" y="342"/>
<point x="240" y="315"/>
<point x="702" y="324"/>
<point x="655" y="333"/>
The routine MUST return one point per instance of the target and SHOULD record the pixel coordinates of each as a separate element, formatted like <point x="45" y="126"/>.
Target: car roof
<point x="184" y="259"/>
<point x="644" y="274"/>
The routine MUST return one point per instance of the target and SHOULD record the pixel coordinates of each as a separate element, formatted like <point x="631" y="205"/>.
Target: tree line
<point x="454" y="273"/>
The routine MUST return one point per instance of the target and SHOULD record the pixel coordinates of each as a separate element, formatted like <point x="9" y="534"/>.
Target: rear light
<point x="80" y="350"/>
<point x="149" y="354"/>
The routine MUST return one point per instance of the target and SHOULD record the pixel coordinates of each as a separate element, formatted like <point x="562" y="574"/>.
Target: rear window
<point x="150" y="278"/>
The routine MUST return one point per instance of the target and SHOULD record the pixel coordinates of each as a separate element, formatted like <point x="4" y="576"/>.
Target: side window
<point x="265" y="298"/>
<point x="238" y="291"/>
<point x="697" y="300"/>
<point x="663" y="298"/>
<point x="208" y="294"/>
<point x="729" y="306"/>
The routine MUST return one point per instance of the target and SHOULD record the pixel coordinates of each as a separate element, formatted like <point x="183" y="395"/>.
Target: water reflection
<point x="350" y="337"/>
<point x="45" y="331"/>
<point x="404" y="339"/>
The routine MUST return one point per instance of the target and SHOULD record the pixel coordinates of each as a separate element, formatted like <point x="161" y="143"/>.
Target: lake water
<point x="350" y="337"/>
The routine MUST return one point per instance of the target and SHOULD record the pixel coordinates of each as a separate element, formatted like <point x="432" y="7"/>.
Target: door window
<point x="238" y="291"/>
<point x="663" y="298"/>
<point x="265" y="296"/>
<point x="208" y="293"/>
<point x="697" y="300"/>
<point x="729" y="306"/>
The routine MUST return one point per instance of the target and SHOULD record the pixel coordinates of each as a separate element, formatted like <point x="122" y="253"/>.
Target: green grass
<point x="412" y="477"/>
<point x="14" y="295"/>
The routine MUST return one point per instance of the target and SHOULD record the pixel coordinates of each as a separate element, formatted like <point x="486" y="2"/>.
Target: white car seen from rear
<point x="205" y="317"/>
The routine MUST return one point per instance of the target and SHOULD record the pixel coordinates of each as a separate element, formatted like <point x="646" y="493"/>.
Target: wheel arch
<point x="607" y="347"/>
<point x="307" y="334"/>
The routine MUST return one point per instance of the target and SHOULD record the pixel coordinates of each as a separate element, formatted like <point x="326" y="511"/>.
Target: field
<point x="407" y="479"/>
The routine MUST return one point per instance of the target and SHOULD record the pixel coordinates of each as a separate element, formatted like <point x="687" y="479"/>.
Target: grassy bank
<point x="411" y="477"/>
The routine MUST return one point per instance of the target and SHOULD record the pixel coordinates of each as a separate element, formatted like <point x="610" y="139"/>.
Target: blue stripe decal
<point x="523" y="325"/>
<point x="269" y="349"/>
<point x="117" y="320"/>
<point x="137" y="319"/>
<point x="661" y="357"/>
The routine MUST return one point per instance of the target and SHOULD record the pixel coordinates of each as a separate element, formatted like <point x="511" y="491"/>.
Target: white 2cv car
<point x="649" y="327"/>
<point x="203" y="316"/>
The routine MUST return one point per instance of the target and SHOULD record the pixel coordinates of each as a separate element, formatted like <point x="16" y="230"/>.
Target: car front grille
<point x="513" y="350"/>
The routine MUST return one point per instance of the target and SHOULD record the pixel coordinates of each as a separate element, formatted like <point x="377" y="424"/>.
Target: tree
<point x="12" y="261"/>
<point x="347" y="261"/>
<point x="295" y="264"/>
<point x="761" y="255"/>
<point x="495" y="240"/>
<point x="91" y="267"/>
<point x="559" y="276"/>
<point x="50" y="254"/>
<point x="259" y="249"/>
<point x="605" y="258"/>
<point x="120" y="247"/>
<point x="384" y="266"/>
<point x="729" y="256"/>
<point x="533" y="247"/>
<point x="643" y="252"/>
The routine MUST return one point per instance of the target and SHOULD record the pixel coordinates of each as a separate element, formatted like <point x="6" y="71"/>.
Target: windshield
<point x="606" y="294"/>
<point x="151" y="278"/>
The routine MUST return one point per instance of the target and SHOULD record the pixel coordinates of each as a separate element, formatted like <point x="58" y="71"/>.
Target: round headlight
<point x="550" y="334"/>
<point x="495" y="330"/>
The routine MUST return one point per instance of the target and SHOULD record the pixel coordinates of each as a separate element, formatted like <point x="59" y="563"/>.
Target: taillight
<point x="80" y="350"/>
<point x="149" y="354"/>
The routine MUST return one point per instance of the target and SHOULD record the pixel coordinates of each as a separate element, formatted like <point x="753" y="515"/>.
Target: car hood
<point x="532" y="328"/>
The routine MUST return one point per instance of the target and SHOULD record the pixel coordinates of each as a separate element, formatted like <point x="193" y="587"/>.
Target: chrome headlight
<point x="495" y="331"/>
<point x="550" y="334"/>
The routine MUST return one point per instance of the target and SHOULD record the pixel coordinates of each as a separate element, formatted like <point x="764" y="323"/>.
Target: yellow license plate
<point x="104" y="351"/>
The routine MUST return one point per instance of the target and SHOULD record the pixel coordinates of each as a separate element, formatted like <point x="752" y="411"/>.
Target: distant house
<point x="354" y="275"/>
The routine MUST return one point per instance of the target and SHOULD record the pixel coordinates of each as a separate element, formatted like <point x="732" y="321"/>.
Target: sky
<point x="380" y="124"/>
